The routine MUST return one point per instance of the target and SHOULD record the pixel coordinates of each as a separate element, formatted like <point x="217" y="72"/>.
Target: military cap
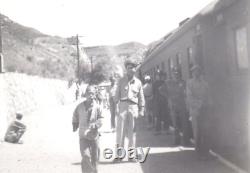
<point x="176" y="70"/>
<point x="147" y="78"/>
<point x="19" y="115"/>
<point x="195" y="67"/>
<point x="132" y="62"/>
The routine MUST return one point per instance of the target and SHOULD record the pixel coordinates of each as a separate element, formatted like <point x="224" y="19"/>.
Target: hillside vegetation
<point x="29" y="51"/>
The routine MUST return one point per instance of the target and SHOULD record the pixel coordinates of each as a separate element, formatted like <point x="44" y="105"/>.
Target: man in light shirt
<point x="129" y="95"/>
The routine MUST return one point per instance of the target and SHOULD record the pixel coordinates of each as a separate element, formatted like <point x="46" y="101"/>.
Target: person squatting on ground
<point x="176" y="99"/>
<point x="129" y="95"/>
<point x="148" y="94"/>
<point x="112" y="104"/>
<point x="160" y="108"/>
<point x="198" y="103"/>
<point x="86" y="117"/>
<point x="15" y="130"/>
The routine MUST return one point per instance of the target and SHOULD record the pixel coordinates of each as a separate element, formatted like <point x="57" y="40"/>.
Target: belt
<point x="127" y="100"/>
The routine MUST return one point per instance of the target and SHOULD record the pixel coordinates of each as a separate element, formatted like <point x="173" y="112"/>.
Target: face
<point x="196" y="73"/>
<point x="176" y="76"/>
<point x="130" y="70"/>
<point x="157" y="77"/>
<point x="90" y="95"/>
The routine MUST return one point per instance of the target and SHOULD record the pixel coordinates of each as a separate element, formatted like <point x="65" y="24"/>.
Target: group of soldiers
<point x="165" y="103"/>
<point x="173" y="102"/>
<point x="178" y="103"/>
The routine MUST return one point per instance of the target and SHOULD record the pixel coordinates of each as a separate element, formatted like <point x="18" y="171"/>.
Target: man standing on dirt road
<point x="129" y="95"/>
<point x="86" y="117"/>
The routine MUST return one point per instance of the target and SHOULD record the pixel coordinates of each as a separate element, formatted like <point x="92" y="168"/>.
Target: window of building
<point x="157" y="68"/>
<point x="190" y="60"/>
<point x="241" y="48"/>
<point x="178" y="60"/>
<point x="168" y="68"/>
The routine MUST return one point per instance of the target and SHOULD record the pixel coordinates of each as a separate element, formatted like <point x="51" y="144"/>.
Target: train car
<point x="218" y="39"/>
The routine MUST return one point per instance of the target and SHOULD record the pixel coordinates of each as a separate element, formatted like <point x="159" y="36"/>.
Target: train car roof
<point x="157" y="46"/>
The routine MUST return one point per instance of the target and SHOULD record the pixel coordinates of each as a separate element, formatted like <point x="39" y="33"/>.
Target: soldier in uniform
<point x="198" y="102"/>
<point x="148" y="93"/>
<point x="112" y="105"/>
<point x="176" y="99"/>
<point x="160" y="103"/>
<point x="86" y="117"/>
<point x="129" y="95"/>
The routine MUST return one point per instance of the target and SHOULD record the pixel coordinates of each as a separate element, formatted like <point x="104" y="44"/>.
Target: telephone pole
<point x="91" y="63"/>
<point x="78" y="58"/>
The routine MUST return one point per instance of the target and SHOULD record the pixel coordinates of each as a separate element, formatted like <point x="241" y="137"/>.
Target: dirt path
<point x="50" y="146"/>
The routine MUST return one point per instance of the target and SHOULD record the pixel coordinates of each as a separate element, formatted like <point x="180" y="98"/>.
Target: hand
<point x="92" y="126"/>
<point x="75" y="126"/>
<point x="141" y="113"/>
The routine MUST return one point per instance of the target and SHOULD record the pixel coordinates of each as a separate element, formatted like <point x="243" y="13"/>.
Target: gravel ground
<point x="51" y="146"/>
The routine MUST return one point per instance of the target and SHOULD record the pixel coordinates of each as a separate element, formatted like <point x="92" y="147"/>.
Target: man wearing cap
<point x="112" y="105"/>
<point x="160" y="103"/>
<point x="197" y="104"/>
<point x="176" y="99"/>
<point x="86" y="117"/>
<point x="15" y="130"/>
<point x="148" y="93"/>
<point x="129" y="95"/>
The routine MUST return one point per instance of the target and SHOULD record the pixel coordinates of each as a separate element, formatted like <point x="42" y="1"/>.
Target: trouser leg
<point x="94" y="154"/>
<point x="120" y="131"/>
<point x="196" y="133"/>
<point x="204" y="148"/>
<point x="131" y="128"/>
<point x="13" y="138"/>
<point x="121" y="128"/>
<point x="175" y="121"/>
<point x="112" y="112"/>
<point x="86" y="164"/>
<point x="184" y="127"/>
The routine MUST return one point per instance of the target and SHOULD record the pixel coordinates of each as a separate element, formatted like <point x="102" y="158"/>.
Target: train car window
<point x="169" y="68"/>
<point x="171" y="63"/>
<point x="241" y="48"/>
<point x="190" y="60"/>
<point x="158" y="68"/>
<point x="178" y="62"/>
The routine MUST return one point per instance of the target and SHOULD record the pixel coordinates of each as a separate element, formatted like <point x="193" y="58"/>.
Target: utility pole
<point x="1" y="49"/>
<point x="91" y="63"/>
<point x="78" y="58"/>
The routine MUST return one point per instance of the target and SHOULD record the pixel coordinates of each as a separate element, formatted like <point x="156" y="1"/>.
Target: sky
<point x="103" y="22"/>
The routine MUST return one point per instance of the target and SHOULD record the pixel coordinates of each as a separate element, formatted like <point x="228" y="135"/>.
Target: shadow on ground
<point x="165" y="157"/>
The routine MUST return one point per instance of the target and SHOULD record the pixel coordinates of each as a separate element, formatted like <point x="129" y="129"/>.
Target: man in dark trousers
<point x="160" y="109"/>
<point x="112" y="104"/>
<point x="86" y="117"/>
<point x="176" y="98"/>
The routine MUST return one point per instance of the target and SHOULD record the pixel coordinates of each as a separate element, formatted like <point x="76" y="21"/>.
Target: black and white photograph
<point x="115" y="86"/>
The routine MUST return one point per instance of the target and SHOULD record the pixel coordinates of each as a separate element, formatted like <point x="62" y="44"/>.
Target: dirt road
<point x="50" y="146"/>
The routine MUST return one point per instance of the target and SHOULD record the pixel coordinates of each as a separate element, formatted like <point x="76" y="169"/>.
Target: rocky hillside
<point x="29" y="51"/>
<point x="25" y="94"/>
